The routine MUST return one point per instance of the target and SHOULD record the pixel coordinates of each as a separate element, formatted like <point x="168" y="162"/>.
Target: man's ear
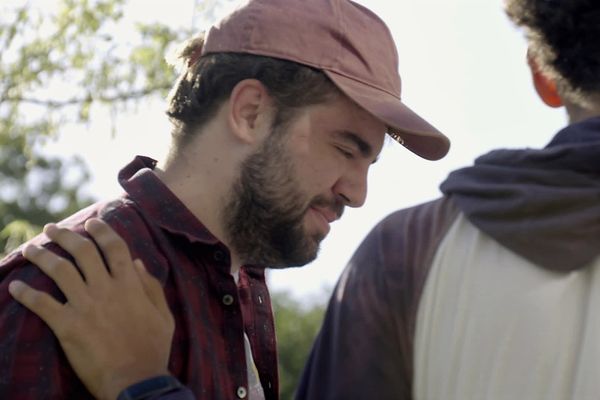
<point x="544" y="86"/>
<point x="250" y="108"/>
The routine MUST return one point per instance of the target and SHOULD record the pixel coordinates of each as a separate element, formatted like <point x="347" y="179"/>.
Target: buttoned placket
<point x="234" y="330"/>
<point x="215" y="284"/>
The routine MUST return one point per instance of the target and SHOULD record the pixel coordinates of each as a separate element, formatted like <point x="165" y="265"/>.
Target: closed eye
<point x="345" y="153"/>
<point x="353" y="146"/>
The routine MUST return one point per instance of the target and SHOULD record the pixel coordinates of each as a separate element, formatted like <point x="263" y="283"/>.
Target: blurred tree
<point x="297" y="325"/>
<point x="56" y="64"/>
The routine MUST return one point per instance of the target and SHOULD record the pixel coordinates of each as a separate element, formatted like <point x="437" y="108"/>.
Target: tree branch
<point x="69" y="102"/>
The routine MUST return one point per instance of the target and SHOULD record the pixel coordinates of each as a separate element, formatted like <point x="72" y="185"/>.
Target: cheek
<point x="318" y="174"/>
<point x="318" y="167"/>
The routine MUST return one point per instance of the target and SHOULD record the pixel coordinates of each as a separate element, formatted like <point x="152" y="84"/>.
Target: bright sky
<point x="463" y="69"/>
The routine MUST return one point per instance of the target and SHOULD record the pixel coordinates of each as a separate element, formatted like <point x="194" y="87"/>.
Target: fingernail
<point x="16" y="287"/>
<point x="139" y="264"/>
<point x="29" y="250"/>
<point x="49" y="228"/>
<point x="91" y="223"/>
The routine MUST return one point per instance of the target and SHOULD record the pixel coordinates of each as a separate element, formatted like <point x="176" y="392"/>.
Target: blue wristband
<point x="150" y="387"/>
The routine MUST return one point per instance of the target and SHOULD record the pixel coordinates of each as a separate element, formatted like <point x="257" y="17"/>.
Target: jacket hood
<point x="542" y="204"/>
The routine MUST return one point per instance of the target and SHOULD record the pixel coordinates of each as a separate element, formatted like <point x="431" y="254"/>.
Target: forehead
<point x="341" y="117"/>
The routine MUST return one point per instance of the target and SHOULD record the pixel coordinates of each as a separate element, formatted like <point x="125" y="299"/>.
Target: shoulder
<point x="406" y="238"/>
<point x="121" y="214"/>
<point x="387" y="274"/>
<point x="371" y="315"/>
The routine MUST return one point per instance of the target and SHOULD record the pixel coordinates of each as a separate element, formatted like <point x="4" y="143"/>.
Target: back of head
<point x="564" y="41"/>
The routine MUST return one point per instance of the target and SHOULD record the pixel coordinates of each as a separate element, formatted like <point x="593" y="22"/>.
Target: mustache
<point x="335" y="205"/>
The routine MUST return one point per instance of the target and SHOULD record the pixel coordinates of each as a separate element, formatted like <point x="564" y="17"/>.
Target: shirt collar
<point x="165" y="209"/>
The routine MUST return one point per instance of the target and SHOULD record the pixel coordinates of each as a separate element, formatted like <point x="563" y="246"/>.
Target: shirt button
<point x="218" y="255"/>
<point x="228" y="299"/>
<point x="241" y="392"/>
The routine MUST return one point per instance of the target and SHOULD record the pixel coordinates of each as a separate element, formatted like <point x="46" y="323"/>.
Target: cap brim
<point x="404" y="125"/>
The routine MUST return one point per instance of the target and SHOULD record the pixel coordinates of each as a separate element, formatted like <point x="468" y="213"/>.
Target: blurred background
<point x="83" y="86"/>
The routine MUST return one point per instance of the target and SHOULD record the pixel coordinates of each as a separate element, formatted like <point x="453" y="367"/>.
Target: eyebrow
<point x="365" y="149"/>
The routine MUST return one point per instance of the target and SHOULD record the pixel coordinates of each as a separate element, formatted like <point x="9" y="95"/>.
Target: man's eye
<point x="345" y="152"/>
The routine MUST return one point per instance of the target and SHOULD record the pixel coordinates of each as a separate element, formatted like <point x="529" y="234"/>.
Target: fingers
<point x="42" y="304"/>
<point x="84" y="252"/>
<point x="59" y="269"/>
<point x="113" y="247"/>
<point x="153" y="290"/>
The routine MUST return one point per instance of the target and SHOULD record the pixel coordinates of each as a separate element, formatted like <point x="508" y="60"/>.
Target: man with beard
<point x="492" y="291"/>
<point x="277" y="117"/>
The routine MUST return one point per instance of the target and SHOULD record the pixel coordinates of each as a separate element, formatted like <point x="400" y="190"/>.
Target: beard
<point x="264" y="215"/>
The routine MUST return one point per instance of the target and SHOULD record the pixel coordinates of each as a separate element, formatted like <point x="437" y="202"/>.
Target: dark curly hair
<point x="208" y="81"/>
<point x="564" y="39"/>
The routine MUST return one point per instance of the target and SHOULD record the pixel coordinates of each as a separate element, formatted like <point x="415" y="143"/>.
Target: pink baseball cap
<point x="345" y="40"/>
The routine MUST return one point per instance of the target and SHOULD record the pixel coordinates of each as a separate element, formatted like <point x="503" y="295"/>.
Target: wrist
<point x="118" y="383"/>
<point x="150" y="388"/>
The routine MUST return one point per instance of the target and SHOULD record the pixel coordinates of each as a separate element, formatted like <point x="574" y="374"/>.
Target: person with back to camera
<point x="492" y="291"/>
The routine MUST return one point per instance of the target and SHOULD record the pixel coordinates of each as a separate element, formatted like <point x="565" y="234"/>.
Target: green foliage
<point x="297" y="326"/>
<point x="56" y="67"/>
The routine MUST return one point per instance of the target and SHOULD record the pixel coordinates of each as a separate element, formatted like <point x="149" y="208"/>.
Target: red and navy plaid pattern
<point x="208" y="347"/>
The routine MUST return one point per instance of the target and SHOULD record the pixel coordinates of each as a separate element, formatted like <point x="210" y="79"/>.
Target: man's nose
<point x="352" y="187"/>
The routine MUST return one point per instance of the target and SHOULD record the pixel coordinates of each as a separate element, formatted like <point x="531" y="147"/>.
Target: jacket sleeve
<point x="365" y="347"/>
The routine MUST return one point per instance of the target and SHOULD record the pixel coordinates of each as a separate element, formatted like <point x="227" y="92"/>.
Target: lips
<point x="322" y="220"/>
<point x="328" y="214"/>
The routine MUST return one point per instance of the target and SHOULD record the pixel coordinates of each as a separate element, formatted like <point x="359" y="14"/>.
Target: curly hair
<point x="564" y="39"/>
<point x="207" y="81"/>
